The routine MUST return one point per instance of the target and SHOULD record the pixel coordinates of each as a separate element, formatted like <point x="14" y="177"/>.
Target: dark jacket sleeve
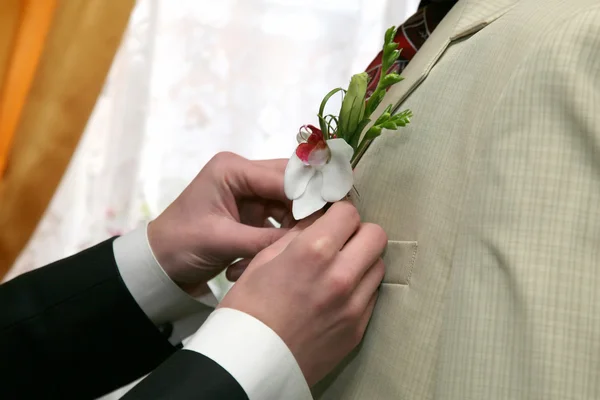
<point x="188" y="375"/>
<point x="71" y="330"/>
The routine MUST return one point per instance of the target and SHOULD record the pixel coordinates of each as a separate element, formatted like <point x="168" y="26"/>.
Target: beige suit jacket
<point x="491" y="201"/>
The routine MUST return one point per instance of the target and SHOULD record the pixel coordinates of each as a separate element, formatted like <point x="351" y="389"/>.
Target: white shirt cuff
<point x="253" y="354"/>
<point x="156" y="294"/>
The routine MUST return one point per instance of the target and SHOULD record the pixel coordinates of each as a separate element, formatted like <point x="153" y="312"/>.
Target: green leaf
<point x="327" y="97"/>
<point x="353" y="105"/>
<point x="322" y="122"/>
<point x="328" y="119"/>
<point x="323" y="126"/>
<point x="332" y="118"/>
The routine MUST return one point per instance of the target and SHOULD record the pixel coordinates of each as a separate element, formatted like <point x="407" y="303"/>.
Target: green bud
<point x="353" y="105"/>
<point x="384" y="117"/>
<point x="392" y="57"/>
<point x="390" y="79"/>
<point x="390" y="47"/>
<point x="373" y="132"/>
<point x="389" y="34"/>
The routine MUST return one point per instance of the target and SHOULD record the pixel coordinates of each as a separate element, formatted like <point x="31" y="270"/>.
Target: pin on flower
<point x="320" y="170"/>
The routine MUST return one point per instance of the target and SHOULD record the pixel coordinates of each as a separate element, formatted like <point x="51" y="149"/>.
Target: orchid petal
<point x="316" y="134"/>
<point x="319" y="155"/>
<point x="296" y="177"/>
<point x="311" y="200"/>
<point x="341" y="147"/>
<point x="337" y="173"/>
<point x="303" y="152"/>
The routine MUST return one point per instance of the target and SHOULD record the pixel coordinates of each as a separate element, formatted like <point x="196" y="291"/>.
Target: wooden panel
<point x="80" y="47"/>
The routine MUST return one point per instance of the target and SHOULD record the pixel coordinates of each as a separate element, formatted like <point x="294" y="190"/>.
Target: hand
<point x="219" y="217"/>
<point x="316" y="287"/>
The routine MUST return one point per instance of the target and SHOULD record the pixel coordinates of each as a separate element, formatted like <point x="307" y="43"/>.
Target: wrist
<point x="163" y="249"/>
<point x="154" y="291"/>
<point x="169" y="253"/>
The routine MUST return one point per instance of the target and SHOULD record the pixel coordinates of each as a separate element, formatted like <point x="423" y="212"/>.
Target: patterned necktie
<point x="410" y="37"/>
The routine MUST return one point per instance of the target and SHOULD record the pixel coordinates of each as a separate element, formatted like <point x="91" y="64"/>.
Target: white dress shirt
<point x="249" y="350"/>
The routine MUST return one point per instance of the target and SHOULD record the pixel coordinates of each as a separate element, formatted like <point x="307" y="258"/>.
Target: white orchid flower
<point x="319" y="172"/>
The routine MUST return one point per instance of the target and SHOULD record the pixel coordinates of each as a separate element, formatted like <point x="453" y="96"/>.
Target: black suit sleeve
<point x="71" y="330"/>
<point x="188" y="375"/>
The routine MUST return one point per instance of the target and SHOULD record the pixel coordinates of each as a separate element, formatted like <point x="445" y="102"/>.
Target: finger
<point x="366" y="317"/>
<point x="295" y="231"/>
<point x="235" y="270"/>
<point x="362" y="250"/>
<point x="368" y="285"/>
<point x="332" y="230"/>
<point x="288" y="221"/>
<point x="244" y="241"/>
<point x="259" y="179"/>
<point x="254" y="211"/>
<point x="280" y="212"/>
<point x="278" y="164"/>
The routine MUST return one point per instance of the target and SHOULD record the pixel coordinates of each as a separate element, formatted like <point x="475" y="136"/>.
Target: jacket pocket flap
<point x="399" y="259"/>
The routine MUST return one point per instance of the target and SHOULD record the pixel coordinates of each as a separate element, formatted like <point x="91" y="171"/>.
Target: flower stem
<point x="359" y="152"/>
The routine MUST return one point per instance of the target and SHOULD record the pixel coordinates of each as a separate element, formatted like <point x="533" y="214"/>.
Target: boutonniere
<point x="320" y="170"/>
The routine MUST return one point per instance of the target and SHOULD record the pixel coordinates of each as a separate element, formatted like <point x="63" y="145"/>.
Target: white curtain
<point x="195" y="77"/>
<point x="192" y="78"/>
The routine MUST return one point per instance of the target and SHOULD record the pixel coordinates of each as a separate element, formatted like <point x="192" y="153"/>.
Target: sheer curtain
<point x="193" y="78"/>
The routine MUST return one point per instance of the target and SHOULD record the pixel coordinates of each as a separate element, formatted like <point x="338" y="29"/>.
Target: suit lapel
<point x="478" y="14"/>
<point x="464" y="19"/>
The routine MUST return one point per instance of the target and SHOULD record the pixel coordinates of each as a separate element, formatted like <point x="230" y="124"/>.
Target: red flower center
<point x="314" y="151"/>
